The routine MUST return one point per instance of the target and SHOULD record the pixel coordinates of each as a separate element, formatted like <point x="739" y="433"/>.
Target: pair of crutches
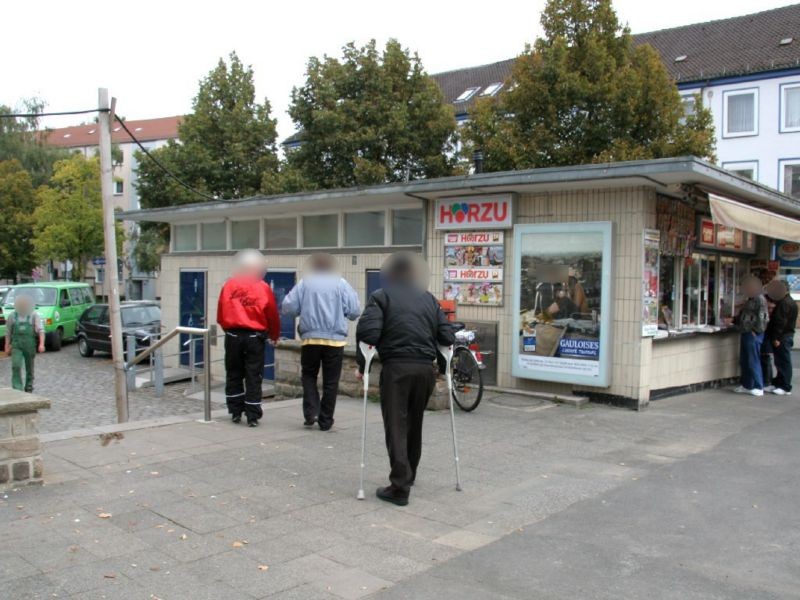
<point x="369" y="353"/>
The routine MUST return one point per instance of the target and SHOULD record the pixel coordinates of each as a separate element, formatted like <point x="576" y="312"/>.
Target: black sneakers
<point x="389" y="494"/>
<point x="236" y="418"/>
<point x="252" y="422"/>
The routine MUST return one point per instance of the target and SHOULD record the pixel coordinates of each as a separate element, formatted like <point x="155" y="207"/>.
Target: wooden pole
<point x="105" y="121"/>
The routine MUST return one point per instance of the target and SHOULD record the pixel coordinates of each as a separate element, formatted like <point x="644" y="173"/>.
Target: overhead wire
<point x="160" y="165"/>
<point x="51" y="114"/>
<point x="146" y="152"/>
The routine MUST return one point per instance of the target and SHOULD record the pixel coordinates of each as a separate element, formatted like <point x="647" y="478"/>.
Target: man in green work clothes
<point x="24" y="337"/>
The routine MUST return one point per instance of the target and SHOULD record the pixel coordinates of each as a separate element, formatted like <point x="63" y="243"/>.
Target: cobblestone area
<point x="82" y="392"/>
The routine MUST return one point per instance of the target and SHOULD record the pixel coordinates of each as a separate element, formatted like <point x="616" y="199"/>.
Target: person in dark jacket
<point x="406" y="325"/>
<point x="752" y="321"/>
<point x="248" y="314"/>
<point x="779" y="336"/>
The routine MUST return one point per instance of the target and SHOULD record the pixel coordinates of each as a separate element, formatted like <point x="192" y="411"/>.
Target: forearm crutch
<point x="369" y="353"/>
<point x="447" y="353"/>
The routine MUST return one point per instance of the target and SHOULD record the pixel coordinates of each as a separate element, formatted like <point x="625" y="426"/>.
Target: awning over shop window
<point x="755" y="220"/>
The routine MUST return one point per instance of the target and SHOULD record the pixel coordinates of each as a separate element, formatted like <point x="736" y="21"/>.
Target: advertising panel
<point x="493" y="211"/>
<point x="712" y="236"/>
<point x="473" y="267"/>
<point x="562" y="302"/>
<point x="650" y="281"/>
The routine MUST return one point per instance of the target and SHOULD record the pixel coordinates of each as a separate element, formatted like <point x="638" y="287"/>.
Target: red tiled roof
<point x="145" y="130"/>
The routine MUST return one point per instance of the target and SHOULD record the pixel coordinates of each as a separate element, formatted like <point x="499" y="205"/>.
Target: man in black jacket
<point x="406" y="324"/>
<point x="779" y="336"/>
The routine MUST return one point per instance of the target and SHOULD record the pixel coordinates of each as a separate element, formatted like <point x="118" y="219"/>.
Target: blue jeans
<point x="750" y="361"/>
<point x="783" y="363"/>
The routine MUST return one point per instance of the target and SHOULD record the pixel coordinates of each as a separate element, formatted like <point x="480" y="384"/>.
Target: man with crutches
<point x="406" y="325"/>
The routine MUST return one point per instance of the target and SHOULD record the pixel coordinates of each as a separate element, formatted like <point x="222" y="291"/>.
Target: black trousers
<point x="406" y="388"/>
<point x="244" y="370"/>
<point x="312" y="357"/>
<point x="783" y="363"/>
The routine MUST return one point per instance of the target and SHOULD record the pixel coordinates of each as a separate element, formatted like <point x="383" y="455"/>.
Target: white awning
<point x="755" y="220"/>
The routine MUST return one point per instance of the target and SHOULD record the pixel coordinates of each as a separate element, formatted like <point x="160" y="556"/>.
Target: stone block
<point x="22" y="425"/>
<point x="22" y="470"/>
<point x="25" y="447"/>
<point x="4" y="474"/>
<point x="38" y="468"/>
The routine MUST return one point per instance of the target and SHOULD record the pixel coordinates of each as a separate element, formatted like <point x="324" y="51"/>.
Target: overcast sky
<point x="151" y="54"/>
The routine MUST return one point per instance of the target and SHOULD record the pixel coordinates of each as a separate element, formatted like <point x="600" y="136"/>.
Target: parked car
<point x="59" y="303"/>
<point x="140" y="318"/>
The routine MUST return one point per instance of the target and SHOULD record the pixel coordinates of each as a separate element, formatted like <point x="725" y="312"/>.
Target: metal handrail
<point x="206" y="361"/>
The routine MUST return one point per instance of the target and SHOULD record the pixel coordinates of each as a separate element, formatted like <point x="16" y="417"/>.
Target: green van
<point x="59" y="303"/>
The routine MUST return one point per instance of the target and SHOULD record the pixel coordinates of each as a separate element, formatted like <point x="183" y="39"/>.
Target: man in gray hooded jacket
<point x="324" y="301"/>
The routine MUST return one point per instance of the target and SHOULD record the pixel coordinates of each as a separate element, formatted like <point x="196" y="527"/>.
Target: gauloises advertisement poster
<point x="473" y="267"/>
<point x="562" y="302"/>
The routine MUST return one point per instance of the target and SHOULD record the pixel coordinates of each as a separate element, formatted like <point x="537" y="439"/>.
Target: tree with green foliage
<point x="226" y="148"/>
<point x="372" y="117"/>
<point x="68" y="220"/>
<point x="585" y="93"/>
<point x="23" y="139"/>
<point x="17" y="205"/>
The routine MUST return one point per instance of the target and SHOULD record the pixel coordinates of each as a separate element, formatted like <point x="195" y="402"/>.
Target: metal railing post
<point x="192" y="361"/>
<point x="158" y="373"/>
<point x="206" y="377"/>
<point x="130" y="374"/>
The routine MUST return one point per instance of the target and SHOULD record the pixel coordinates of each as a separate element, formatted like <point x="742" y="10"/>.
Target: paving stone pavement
<point x="193" y="510"/>
<point x="82" y="392"/>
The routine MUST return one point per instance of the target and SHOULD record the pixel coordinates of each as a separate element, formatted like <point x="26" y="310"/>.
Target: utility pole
<point x="105" y="120"/>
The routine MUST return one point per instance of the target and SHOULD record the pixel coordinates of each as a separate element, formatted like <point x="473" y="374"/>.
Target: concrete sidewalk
<point x="193" y="510"/>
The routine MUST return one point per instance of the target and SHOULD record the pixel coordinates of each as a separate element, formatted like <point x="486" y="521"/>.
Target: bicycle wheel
<point x="467" y="379"/>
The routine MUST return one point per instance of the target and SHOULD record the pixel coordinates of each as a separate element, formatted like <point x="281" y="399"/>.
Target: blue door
<point x="374" y="282"/>
<point x="192" y="309"/>
<point x="281" y="283"/>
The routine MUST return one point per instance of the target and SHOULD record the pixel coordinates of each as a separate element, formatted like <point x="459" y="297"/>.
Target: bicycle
<point x="466" y="369"/>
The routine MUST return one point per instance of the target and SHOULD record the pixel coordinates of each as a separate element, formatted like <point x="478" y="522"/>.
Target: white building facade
<point x="757" y="122"/>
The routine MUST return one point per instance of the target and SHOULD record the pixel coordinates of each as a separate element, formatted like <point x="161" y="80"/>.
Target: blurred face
<point x="252" y="272"/>
<point x="751" y="288"/>
<point x="23" y="305"/>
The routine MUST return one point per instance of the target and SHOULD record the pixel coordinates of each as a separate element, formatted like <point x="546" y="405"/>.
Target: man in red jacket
<point x="249" y="315"/>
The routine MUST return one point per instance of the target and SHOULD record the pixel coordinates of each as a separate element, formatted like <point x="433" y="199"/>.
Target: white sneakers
<point x="756" y="392"/>
<point x="743" y="390"/>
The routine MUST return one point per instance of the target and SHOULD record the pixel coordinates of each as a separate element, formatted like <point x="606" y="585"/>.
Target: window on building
<point x="492" y="89"/>
<point x="321" y="231"/>
<point x="245" y="234"/>
<point x="698" y="291"/>
<point x="280" y="233"/>
<point x="364" y="229"/>
<point x="790" y="107"/>
<point x="790" y="175"/>
<point x="689" y="103"/>
<point x="407" y="227"/>
<point x="213" y="236"/>
<point x="747" y="169"/>
<point x="467" y="94"/>
<point x="740" y="113"/>
<point x="119" y="186"/>
<point x="185" y="238"/>
<point x="729" y="275"/>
